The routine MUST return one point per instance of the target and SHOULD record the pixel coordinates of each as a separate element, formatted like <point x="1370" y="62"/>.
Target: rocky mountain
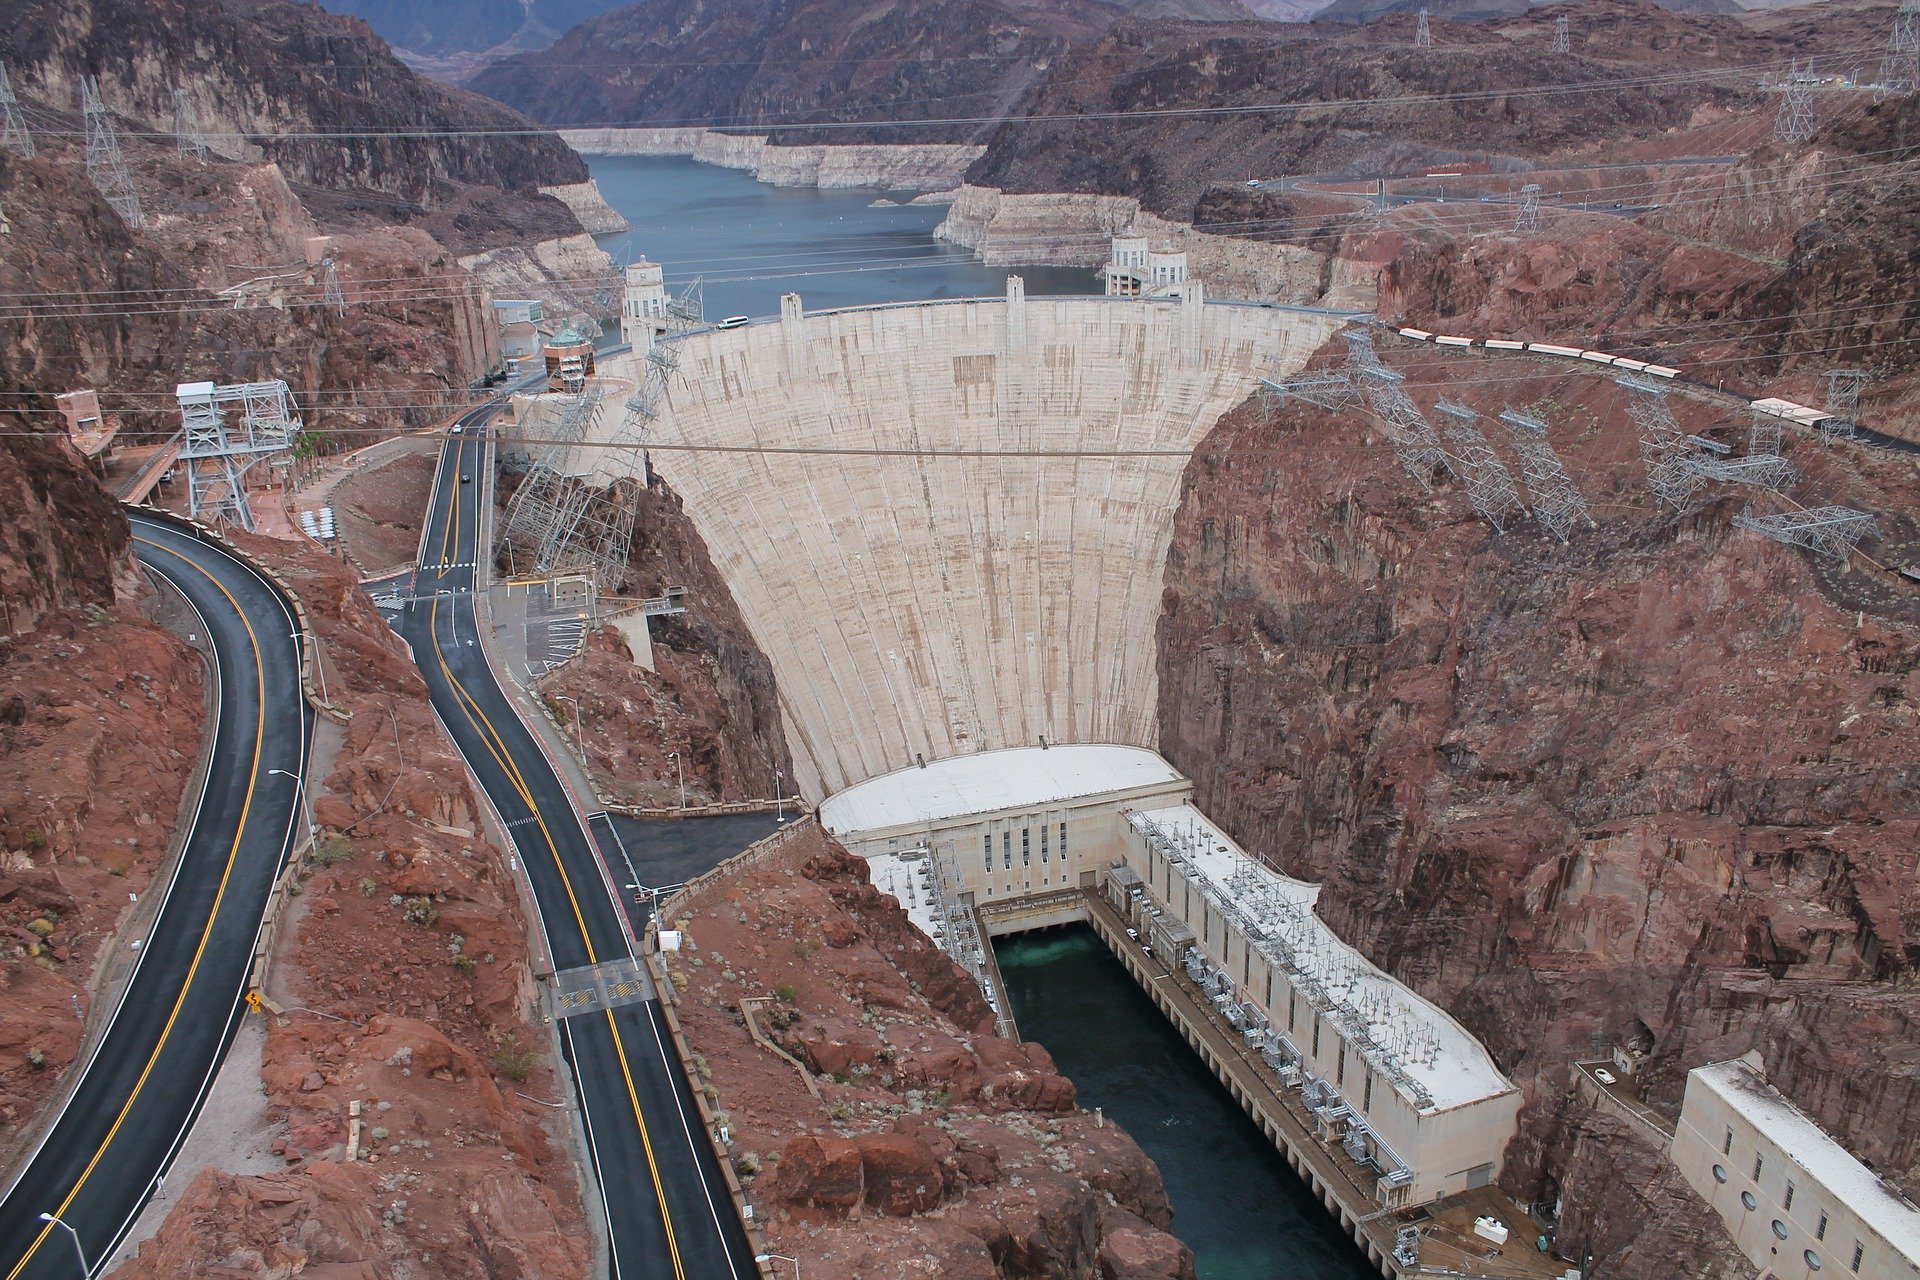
<point x="442" y="27"/>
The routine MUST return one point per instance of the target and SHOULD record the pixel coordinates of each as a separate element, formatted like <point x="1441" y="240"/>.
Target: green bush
<point x="787" y="991"/>
<point x="420" y="911"/>
<point x="333" y="851"/>
<point x="514" y="1060"/>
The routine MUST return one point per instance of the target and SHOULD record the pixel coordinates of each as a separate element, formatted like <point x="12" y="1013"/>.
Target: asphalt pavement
<point x="668" y="1210"/>
<point x="139" y="1093"/>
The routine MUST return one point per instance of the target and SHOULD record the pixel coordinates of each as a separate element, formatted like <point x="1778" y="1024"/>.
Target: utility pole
<point x="13" y="124"/>
<point x="1796" y="120"/>
<point x="105" y="165"/>
<point x="1527" y="216"/>
<point x="1562" y="34"/>
<point x="1422" y="33"/>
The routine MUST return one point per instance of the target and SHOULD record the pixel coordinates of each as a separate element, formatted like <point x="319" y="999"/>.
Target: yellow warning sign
<point x="254" y="1002"/>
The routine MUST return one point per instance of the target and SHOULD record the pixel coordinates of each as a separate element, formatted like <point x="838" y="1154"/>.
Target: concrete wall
<point x="915" y="606"/>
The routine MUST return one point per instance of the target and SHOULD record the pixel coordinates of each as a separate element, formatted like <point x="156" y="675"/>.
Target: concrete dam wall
<point x="917" y="606"/>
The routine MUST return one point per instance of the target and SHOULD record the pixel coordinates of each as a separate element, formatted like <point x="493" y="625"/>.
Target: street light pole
<point x="301" y="802"/>
<point x="779" y="1257"/>
<point x="680" y="770"/>
<point x="299" y="647"/>
<point x="779" y="801"/>
<point x="81" y="1254"/>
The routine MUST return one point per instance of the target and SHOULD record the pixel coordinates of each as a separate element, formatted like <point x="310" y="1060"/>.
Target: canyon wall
<point x="596" y="216"/>
<point x="1652" y="787"/>
<point x="879" y="1125"/>
<point x="932" y="166"/>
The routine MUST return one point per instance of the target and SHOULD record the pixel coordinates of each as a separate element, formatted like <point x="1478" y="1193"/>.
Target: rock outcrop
<point x="930" y="166"/>
<point x="1652" y="787"/>
<point x="931" y="1145"/>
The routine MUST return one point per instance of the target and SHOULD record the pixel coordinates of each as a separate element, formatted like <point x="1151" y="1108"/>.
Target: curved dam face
<point x="918" y="606"/>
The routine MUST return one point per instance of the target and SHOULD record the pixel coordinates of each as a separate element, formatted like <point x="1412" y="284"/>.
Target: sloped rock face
<point x="1652" y="786"/>
<point x="934" y="1147"/>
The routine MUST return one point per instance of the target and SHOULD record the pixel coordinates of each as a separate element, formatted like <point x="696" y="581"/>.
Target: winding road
<point x="139" y="1092"/>
<point x="667" y="1206"/>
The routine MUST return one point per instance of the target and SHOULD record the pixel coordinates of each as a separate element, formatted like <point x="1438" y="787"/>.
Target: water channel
<point x="750" y="243"/>
<point x="1236" y="1203"/>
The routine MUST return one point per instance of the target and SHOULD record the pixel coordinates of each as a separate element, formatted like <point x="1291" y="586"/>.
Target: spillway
<point x="954" y="542"/>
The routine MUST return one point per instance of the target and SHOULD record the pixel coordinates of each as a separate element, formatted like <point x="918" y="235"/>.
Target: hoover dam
<point x="946" y="523"/>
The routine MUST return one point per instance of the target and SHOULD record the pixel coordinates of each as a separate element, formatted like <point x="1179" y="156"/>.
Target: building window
<point x="1786" y="1201"/>
<point x="1820" y="1232"/>
<point x="1006" y="849"/>
<point x="1366" y="1093"/>
<point x="1726" y="1145"/>
<point x="1293" y="1007"/>
<point x="1269" y="1000"/>
<point x="986" y="849"/>
<point x="1316" y="1036"/>
<point x="1859" y="1252"/>
<point x="1340" y="1065"/>
<point x="1779" y="1229"/>
<point x="1746" y="1198"/>
<point x="1813" y="1259"/>
<point x="1044" y="833"/>
<point x="1063" y="841"/>
<point x="1758" y="1162"/>
<point x="1719" y="1173"/>
<point x="1246" y="964"/>
<point x="1026" y="846"/>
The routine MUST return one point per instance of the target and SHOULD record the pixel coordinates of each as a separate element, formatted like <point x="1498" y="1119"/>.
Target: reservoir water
<point x="1236" y="1204"/>
<point x="750" y="242"/>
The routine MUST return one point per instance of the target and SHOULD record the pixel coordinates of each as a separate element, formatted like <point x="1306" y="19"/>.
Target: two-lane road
<point x="667" y="1206"/>
<point x="139" y="1093"/>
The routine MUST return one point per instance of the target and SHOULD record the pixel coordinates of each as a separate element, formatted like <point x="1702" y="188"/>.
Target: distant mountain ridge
<point x="443" y="27"/>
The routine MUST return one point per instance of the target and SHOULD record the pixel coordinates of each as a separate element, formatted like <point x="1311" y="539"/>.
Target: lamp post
<point x="779" y="1257"/>
<point x="578" y="736"/>
<point x="780" y="802"/>
<point x="319" y="668"/>
<point x="81" y="1254"/>
<point x="680" y="771"/>
<point x="301" y="802"/>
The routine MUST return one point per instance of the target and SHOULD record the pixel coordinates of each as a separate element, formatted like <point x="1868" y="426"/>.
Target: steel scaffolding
<point x="1663" y="446"/>
<point x="218" y="450"/>
<point x="106" y="167"/>
<point x="13" y="122"/>
<point x="1831" y="531"/>
<point x="1489" y="484"/>
<point x="1557" y="503"/>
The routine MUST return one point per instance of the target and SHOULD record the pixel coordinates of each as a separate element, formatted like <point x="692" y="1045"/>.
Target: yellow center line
<point x="199" y="952"/>
<point x="496" y="747"/>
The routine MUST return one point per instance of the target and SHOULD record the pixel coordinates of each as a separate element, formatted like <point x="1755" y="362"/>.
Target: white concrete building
<point x="1135" y="270"/>
<point x="1797" y="1203"/>
<point x="1010" y="823"/>
<point x="643" y="307"/>
<point x="1388" y="1074"/>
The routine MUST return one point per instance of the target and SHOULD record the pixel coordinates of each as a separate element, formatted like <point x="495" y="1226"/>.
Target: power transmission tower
<point x="1843" y="402"/>
<point x="1662" y="443"/>
<point x="1796" y="120"/>
<point x="1527" y="216"/>
<point x="1830" y="531"/>
<point x="1413" y="437"/>
<point x="331" y="295"/>
<point x="1489" y="484"/>
<point x="186" y="127"/>
<point x="1562" y="34"/>
<point x="1900" y="68"/>
<point x="105" y="165"/>
<point x="13" y="123"/>
<point x="1422" y="33"/>
<point x="1763" y="434"/>
<point x="1557" y="504"/>
<point x="218" y="453"/>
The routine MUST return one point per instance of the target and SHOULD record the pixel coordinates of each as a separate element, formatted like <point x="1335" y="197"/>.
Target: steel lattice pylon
<point x="218" y="451"/>
<point x="1527" y="216"/>
<point x="106" y="167"/>
<point x="1557" y="503"/>
<point x="1422" y="32"/>
<point x="1764" y="470"/>
<point x="1327" y="389"/>
<point x="1489" y="483"/>
<point x="186" y="126"/>
<point x="1413" y="437"/>
<point x="1900" y="68"/>
<point x="1829" y="531"/>
<point x="1796" y="120"/>
<point x="13" y="124"/>
<point x="1562" y="34"/>
<point x="1662" y="444"/>
<point x="1843" y="403"/>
